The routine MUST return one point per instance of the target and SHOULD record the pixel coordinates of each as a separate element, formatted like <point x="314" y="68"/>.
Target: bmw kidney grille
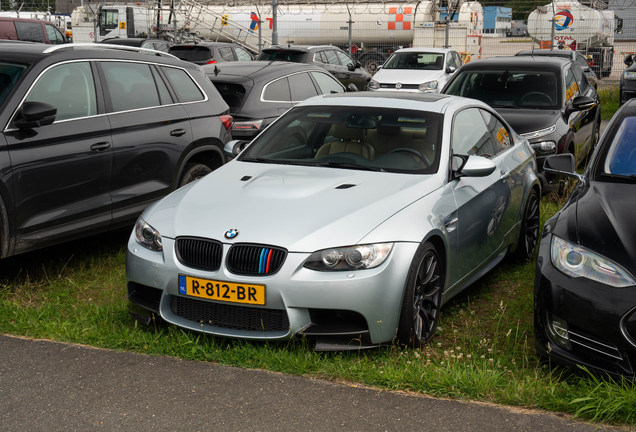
<point x="199" y="253"/>
<point x="255" y="260"/>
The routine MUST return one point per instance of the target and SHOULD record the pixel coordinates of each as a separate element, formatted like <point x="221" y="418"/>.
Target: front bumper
<point x="601" y="320"/>
<point x="343" y="307"/>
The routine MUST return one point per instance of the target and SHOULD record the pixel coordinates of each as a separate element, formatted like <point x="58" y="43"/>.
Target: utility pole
<point x="274" y="22"/>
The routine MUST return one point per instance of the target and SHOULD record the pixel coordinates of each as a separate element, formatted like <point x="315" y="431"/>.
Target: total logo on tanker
<point x="563" y="20"/>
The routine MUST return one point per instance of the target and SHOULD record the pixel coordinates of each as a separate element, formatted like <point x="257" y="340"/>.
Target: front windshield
<point x="620" y="158"/>
<point x="373" y="139"/>
<point x="509" y="88"/>
<point x="9" y="75"/>
<point x="415" y="60"/>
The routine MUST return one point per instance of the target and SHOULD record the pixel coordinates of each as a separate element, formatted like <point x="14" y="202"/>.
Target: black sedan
<point x="628" y="80"/>
<point x="545" y="99"/>
<point x="259" y="92"/>
<point x="585" y="289"/>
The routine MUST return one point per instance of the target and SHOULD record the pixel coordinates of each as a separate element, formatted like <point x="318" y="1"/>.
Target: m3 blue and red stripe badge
<point x="265" y="261"/>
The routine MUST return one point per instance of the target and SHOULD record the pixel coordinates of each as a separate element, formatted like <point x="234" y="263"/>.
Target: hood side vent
<point x="246" y="178"/>
<point x="345" y="186"/>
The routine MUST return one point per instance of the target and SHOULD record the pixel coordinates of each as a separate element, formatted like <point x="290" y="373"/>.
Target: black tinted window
<point x="301" y="87"/>
<point x="9" y="74"/>
<point x="283" y="55"/>
<point x="186" y="89"/>
<point x="277" y="91"/>
<point x="191" y="53"/>
<point x="131" y="85"/>
<point x="31" y="32"/>
<point x="232" y="94"/>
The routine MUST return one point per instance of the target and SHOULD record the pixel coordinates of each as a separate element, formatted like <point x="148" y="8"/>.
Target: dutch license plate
<point x="222" y="291"/>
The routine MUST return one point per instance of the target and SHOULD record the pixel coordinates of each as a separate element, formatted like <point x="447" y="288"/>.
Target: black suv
<point x="335" y="60"/>
<point x="91" y="135"/>
<point x="547" y="100"/>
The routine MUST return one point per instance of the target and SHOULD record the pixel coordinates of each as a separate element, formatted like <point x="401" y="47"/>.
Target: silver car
<point x="350" y="220"/>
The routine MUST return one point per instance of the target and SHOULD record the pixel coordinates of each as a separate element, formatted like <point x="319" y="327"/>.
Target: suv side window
<point x="470" y="134"/>
<point x="331" y="57"/>
<point x="226" y="54"/>
<point x="277" y="91"/>
<point x="326" y="83"/>
<point x="344" y="59"/>
<point x="68" y="87"/>
<point x="458" y="60"/>
<point x="301" y="87"/>
<point x="30" y="32"/>
<point x="580" y="79"/>
<point x="571" y="87"/>
<point x="130" y="85"/>
<point x="186" y="89"/>
<point x="54" y="35"/>
<point x="242" y="55"/>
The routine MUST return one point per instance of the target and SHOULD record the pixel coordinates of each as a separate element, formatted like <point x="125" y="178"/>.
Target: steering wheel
<point x="543" y="96"/>
<point x="413" y="152"/>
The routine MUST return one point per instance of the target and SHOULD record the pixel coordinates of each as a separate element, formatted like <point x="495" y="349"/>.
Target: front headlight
<point x="349" y="258"/>
<point x="576" y="261"/>
<point x="373" y="85"/>
<point x="430" y="85"/>
<point x="630" y="75"/>
<point x="539" y="133"/>
<point x="147" y="236"/>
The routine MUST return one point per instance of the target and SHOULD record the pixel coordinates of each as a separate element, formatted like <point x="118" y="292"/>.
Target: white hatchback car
<point x="417" y="70"/>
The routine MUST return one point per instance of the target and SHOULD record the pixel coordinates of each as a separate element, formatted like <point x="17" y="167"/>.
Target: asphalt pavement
<point x="51" y="386"/>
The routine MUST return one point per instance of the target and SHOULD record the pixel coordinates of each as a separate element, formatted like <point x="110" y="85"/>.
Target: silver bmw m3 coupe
<point x="350" y="220"/>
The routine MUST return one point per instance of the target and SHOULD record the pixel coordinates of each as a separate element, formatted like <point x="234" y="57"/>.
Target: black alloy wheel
<point x="529" y="233"/>
<point x="423" y="297"/>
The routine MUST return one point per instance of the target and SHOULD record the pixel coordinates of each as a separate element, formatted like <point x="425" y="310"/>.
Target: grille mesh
<point x="255" y="260"/>
<point x="228" y="316"/>
<point x="199" y="253"/>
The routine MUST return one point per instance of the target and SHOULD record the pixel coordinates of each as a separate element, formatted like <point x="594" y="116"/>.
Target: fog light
<point x="544" y="147"/>
<point x="558" y="329"/>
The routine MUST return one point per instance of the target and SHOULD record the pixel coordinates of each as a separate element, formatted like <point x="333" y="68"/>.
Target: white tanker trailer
<point x="377" y="30"/>
<point x="577" y="27"/>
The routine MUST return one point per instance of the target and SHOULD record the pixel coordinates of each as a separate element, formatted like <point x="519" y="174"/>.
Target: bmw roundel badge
<point x="231" y="233"/>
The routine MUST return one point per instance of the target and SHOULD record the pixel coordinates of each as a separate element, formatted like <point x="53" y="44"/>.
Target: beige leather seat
<point x="350" y="142"/>
<point x="386" y="138"/>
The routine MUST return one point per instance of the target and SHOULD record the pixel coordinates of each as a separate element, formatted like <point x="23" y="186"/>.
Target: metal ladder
<point x="194" y="13"/>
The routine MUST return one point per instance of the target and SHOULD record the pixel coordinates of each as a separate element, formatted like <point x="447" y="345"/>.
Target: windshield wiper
<point x="268" y="161"/>
<point x="508" y="106"/>
<point x="347" y="165"/>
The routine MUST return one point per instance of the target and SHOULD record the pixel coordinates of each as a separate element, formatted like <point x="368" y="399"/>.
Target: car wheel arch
<point x="209" y="154"/>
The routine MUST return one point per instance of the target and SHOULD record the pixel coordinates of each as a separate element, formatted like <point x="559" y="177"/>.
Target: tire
<point x="422" y="297"/>
<point x="529" y="232"/>
<point x="192" y="172"/>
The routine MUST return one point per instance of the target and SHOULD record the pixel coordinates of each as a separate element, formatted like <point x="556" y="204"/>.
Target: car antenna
<point x="216" y="70"/>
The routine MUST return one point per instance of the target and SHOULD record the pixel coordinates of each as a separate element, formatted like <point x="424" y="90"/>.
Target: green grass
<point x="609" y="102"/>
<point x="484" y="349"/>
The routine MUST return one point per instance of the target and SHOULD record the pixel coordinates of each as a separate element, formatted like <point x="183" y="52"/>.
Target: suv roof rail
<point x="108" y="46"/>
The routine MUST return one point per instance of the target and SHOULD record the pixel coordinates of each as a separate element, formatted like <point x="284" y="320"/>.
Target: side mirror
<point x="35" y="114"/>
<point x="358" y="65"/>
<point x="477" y="166"/>
<point x="451" y="69"/>
<point x="587" y="69"/>
<point x="562" y="164"/>
<point x="234" y="147"/>
<point x="580" y="103"/>
<point x="352" y="87"/>
<point x="628" y="60"/>
<point x="351" y="67"/>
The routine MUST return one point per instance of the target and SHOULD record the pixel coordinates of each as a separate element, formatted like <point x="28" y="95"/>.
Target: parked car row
<point x="275" y="204"/>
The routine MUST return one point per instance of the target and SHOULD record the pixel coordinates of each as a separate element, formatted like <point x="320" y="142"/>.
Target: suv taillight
<point x="227" y="121"/>
<point x="211" y="62"/>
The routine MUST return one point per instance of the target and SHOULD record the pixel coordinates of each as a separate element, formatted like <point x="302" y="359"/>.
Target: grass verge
<point x="610" y="98"/>
<point x="484" y="349"/>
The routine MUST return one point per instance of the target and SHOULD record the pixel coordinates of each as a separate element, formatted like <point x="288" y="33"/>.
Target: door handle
<point x="100" y="146"/>
<point x="504" y="174"/>
<point x="177" y="132"/>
